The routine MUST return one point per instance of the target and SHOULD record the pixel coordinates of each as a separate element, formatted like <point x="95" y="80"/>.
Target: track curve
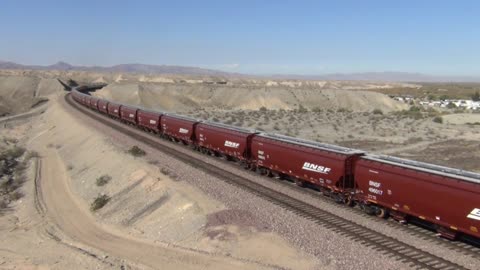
<point x="55" y="201"/>
<point x="414" y="257"/>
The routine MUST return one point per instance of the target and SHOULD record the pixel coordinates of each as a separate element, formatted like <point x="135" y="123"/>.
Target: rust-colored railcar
<point x="82" y="98"/>
<point x="178" y="127"/>
<point x="445" y="197"/>
<point x="328" y="167"/>
<point x="113" y="109"/>
<point x="128" y="114"/>
<point x="149" y="120"/>
<point x="103" y="106"/>
<point x="94" y="103"/>
<point x="223" y="139"/>
<point x="75" y="96"/>
<point x="87" y="101"/>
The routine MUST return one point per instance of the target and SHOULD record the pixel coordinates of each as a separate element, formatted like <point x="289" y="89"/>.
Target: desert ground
<point x="154" y="217"/>
<point x="353" y="114"/>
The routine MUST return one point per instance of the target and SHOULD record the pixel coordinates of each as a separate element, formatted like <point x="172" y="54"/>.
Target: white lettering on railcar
<point x="104" y="107"/>
<point x="115" y="110"/>
<point x="232" y="144"/>
<point x="475" y="214"/>
<point x="375" y="187"/>
<point x="153" y="122"/>
<point x="375" y="191"/>
<point x="183" y="130"/>
<point x="374" y="184"/>
<point x="316" y="168"/>
<point x="131" y="115"/>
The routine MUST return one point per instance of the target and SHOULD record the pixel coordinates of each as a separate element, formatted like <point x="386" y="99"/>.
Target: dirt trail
<point x="67" y="213"/>
<point x="419" y="145"/>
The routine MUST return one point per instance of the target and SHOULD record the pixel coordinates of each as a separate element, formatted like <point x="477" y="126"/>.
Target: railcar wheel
<point x="382" y="213"/>
<point x="299" y="182"/>
<point x="349" y="201"/>
<point x="368" y="209"/>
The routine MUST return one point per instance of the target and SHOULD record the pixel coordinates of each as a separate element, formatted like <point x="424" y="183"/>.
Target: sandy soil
<point x="463" y="119"/>
<point x="184" y="97"/>
<point x="20" y="89"/>
<point x="387" y="133"/>
<point x="151" y="221"/>
<point x="21" y="93"/>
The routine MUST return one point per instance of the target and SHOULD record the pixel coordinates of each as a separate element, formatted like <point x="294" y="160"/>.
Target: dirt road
<point x="64" y="210"/>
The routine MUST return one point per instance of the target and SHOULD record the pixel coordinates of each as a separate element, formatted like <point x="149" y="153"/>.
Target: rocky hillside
<point x="185" y="97"/>
<point x="22" y="89"/>
<point x="21" y="93"/>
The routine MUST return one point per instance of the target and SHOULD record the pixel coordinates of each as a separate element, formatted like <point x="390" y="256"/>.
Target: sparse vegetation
<point x="438" y="119"/>
<point x="317" y="110"/>
<point x="9" y="140"/>
<point x="32" y="154"/>
<point x="302" y="109"/>
<point x="377" y="111"/>
<point x="12" y="153"/>
<point x="414" y="112"/>
<point x="12" y="174"/>
<point x="3" y="205"/>
<point x="103" y="180"/>
<point x="435" y="91"/>
<point x="476" y="96"/>
<point x="13" y="196"/>
<point x="136" y="151"/>
<point x="165" y="171"/>
<point x="451" y="105"/>
<point x="99" y="202"/>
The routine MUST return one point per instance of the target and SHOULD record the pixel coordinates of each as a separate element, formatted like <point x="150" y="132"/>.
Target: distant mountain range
<point x="183" y="70"/>
<point x="123" y="68"/>
<point x="387" y="76"/>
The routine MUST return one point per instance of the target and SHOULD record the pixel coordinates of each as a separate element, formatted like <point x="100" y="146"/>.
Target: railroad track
<point x="389" y="246"/>
<point x="423" y="233"/>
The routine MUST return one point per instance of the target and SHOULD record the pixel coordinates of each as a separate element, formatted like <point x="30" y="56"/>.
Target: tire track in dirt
<point x="70" y="216"/>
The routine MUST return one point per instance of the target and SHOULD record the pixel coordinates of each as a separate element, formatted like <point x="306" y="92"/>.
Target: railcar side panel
<point x="128" y="114"/>
<point x="113" y="109"/>
<point x="178" y="128"/>
<point x="94" y="103"/>
<point x="442" y="200"/>
<point x="223" y="140"/>
<point x="103" y="106"/>
<point x="319" y="167"/>
<point x="149" y="120"/>
<point x="83" y="99"/>
<point x="87" y="101"/>
<point x="75" y="96"/>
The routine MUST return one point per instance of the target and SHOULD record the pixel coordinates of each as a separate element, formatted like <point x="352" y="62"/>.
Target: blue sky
<point x="256" y="37"/>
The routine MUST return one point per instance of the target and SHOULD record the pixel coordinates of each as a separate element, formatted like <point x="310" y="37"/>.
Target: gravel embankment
<point x="245" y="209"/>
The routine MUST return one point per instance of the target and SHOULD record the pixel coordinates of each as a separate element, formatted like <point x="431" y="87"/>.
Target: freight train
<point x="445" y="199"/>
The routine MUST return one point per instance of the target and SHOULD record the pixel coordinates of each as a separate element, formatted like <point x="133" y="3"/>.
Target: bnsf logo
<point x="232" y="144"/>
<point x="316" y="168"/>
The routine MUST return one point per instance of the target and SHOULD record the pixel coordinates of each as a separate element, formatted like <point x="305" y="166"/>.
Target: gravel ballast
<point x="332" y="250"/>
